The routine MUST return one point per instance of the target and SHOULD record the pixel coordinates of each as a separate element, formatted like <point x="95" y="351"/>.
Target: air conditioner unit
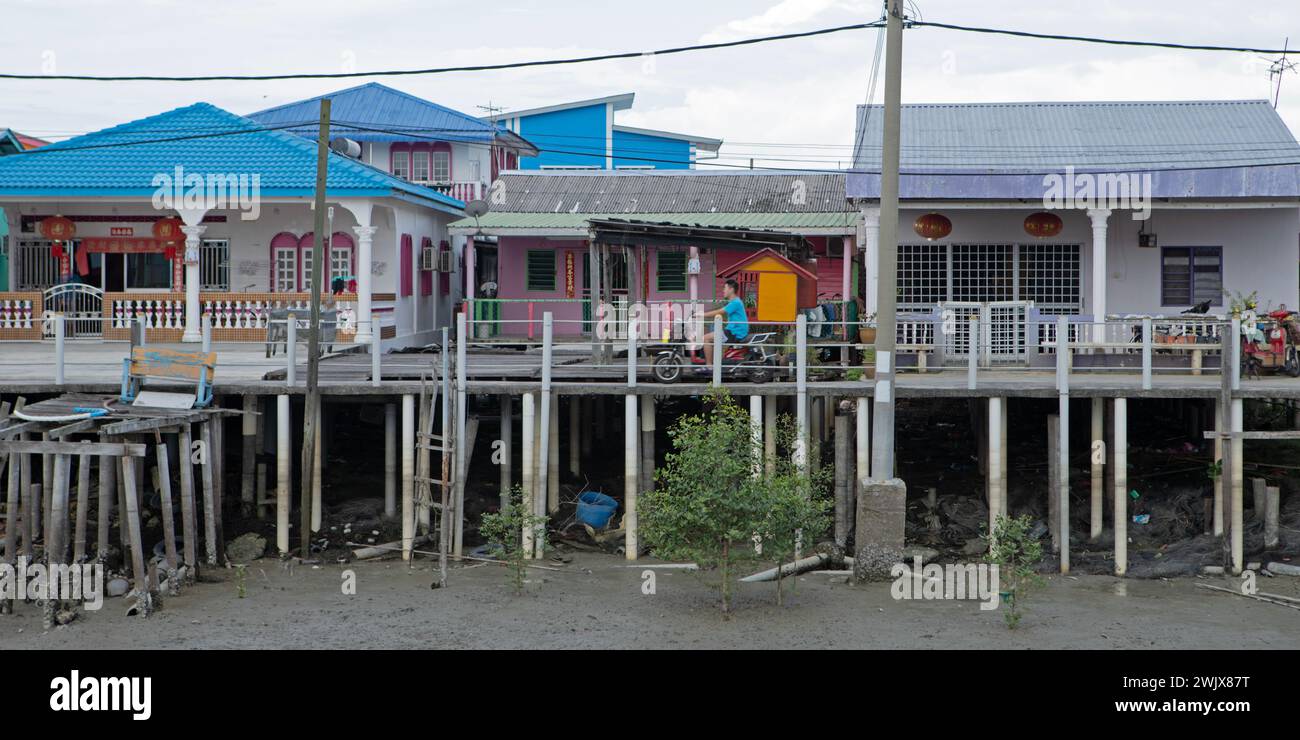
<point x="428" y="258"/>
<point x="444" y="261"/>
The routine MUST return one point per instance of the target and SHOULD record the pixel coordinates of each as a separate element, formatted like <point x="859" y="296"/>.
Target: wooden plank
<point x="76" y="427"/>
<point x="134" y="426"/>
<point x="35" y="447"/>
<point x="157" y="362"/>
<point x="1289" y="434"/>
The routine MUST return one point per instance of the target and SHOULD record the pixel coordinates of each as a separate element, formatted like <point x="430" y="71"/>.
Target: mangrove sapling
<point x="706" y="504"/>
<point x="504" y="531"/>
<point x="1016" y="553"/>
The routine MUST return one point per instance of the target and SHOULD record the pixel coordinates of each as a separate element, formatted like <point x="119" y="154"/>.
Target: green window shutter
<point x="541" y="270"/>
<point x="671" y="273"/>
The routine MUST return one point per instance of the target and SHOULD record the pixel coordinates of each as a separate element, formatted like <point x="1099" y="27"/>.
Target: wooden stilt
<point x="318" y="457"/>
<point x="189" y="514"/>
<point x="1097" y="462"/>
<point x="1220" y="427"/>
<point x="769" y="435"/>
<point x="218" y="460"/>
<point x="648" y="442"/>
<point x="843" y="480"/>
<point x="553" y="457"/>
<point x="83" y="504"/>
<point x="1054" y="481"/>
<point x="28" y="531"/>
<point x="507" y="448"/>
<point x="12" y="504"/>
<point x="575" y="427"/>
<point x="210" y="502"/>
<point x="131" y="513"/>
<point x="107" y="495"/>
<point x="168" y="520"/>
<point x="40" y="514"/>
<point x="248" y="458"/>
<point x="390" y="461"/>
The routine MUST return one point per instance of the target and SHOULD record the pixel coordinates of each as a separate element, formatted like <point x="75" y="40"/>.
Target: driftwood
<point x="1278" y="599"/>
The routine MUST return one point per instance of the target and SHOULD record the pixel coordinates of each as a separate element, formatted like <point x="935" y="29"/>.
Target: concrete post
<point x="60" y="327"/>
<point x="376" y="353"/>
<point x="1120" y="515"/>
<point x="1147" y="328"/>
<point x="756" y="433"/>
<point x="880" y="522"/>
<point x="529" y="475"/>
<point x="1219" y="427"/>
<point x="1236" y="472"/>
<point x="801" y="391"/>
<point x="390" y="461"/>
<point x="717" y="350"/>
<point x="507" y="402"/>
<point x="1272" y="512"/>
<point x="862" y="466"/>
<point x="996" y="458"/>
<point x="291" y="351"/>
<point x="408" y="476"/>
<point x="283" y="473"/>
<point x="1097" y="456"/>
<point x="575" y="444"/>
<point x="553" y="461"/>
<point x="366" y="330"/>
<point x="630" y="477"/>
<point x="769" y="435"/>
<point x="973" y="357"/>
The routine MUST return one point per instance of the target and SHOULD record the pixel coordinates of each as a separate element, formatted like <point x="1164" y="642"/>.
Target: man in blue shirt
<point x="737" y="326"/>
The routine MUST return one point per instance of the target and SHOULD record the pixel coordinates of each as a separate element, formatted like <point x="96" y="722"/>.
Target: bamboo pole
<point x="83" y="504"/>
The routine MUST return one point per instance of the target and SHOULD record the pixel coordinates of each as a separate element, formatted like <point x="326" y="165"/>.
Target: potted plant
<point x="867" y="329"/>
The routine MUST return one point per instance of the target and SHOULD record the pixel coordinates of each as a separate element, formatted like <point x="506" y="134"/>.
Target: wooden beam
<point x="1289" y="434"/>
<point x="40" y="447"/>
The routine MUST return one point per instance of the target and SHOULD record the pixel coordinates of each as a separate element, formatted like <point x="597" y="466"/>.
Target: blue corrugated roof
<point x="1206" y="149"/>
<point x="203" y="139"/>
<point x="376" y="106"/>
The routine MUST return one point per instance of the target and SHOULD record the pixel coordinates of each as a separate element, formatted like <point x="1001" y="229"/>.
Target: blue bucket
<point x="596" y="509"/>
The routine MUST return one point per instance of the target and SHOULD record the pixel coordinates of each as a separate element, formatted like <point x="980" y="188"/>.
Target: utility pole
<point x="882" y="452"/>
<point x="311" y="408"/>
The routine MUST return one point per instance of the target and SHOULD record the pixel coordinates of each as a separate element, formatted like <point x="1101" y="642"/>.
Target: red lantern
<point x="169" y="252"/>
<point x="168" y="229"/>
<point x="1043" y="224"/>
<point x="57" y="250"/>
<point x="57" y="228"/>
<point x="933" y="226"/>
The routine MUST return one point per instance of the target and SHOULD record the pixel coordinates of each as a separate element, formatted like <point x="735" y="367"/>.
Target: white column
<point x="408" y="475"/>
<point x="1098" y="216"/>
<point x="283" y="473"/>
<point x="1120" y="440"/>
<point x="870" y="243"/>
<point x="193" y="332"/>
<point x="365" y="250"/>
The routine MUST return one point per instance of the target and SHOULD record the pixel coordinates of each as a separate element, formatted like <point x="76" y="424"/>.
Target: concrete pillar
<point x="880" y="522"/>
<point x="193" y="310"/>
<point x="1219" y="427"/>
<point x="648" y="442"/>
<point x="1119" y="417"/>
<point x="769" y="435"/>
<point x="575" y="432"/>
<point x="1238" y="557"/>
<point x="1054" y="480"/>
<point x="630" y="478"/>
<point x="1097" y="456"/>
<point x="507" y="402"/>
<point x="408" y="475"/>
<point x="870" y="257"/>
<point x="996" y="461"/>
<point x="283" y="472"/>
<point x="1063" y="471"/>
<point x="844" y="481"/>
<point x="390" y="461"/>
<point x="1272" y="514"/>
<point x="756" y="433"/>
<point x="862" y="466"/>
<point x="1098" y="216"/>
<point x="1257" y="486"/>
<point x="248" y="456"/>
<point x="553" y="459"/>
<point x="366" y="328"/>
<point x="528" y="440"/>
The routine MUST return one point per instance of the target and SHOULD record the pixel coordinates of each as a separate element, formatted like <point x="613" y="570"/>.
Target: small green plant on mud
<point x="709" y="506"/>
<point x="1016" y="553"/>
<point x="504" y="532"/>
<point x="241" y="580"/>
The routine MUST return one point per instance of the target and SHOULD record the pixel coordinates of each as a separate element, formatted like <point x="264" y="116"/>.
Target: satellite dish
<point x="476" y="208"/>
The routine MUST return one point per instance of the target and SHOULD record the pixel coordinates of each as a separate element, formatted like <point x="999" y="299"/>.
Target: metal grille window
<point x="1049" y="276"/>
<point x="1191" y="275"/>
<point x="982" y="272"/>
<point x="670" y="274"/>
<point x="37" y="267"/>
<point x="540" y="269"/>
<point x="214" y="264"/>
<point x="922" y="275"/>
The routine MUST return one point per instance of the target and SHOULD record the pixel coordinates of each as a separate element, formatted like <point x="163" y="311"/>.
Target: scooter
<point x="753" y="359"/>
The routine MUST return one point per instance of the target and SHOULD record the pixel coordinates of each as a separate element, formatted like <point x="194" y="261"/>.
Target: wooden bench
<point x="156" y="362"/>
<point x="1197" y="349"/>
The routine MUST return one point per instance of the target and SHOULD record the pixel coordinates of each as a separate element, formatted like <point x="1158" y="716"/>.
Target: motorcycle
<point x="754" y="359"/>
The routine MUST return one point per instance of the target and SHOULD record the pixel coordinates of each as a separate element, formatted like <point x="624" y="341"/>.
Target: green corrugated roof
<point x="522" y="221"/>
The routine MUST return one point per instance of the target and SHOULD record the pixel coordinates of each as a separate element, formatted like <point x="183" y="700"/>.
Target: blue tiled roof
<point x="203" y="139"/>
<point x="401" y="116"/>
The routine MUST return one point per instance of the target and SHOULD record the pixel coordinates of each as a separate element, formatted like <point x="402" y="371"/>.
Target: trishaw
<point x="1270" y="343"/>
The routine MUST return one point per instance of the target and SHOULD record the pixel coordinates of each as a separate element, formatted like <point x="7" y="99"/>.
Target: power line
<point x="444" y="70"/>
<point x="1097" y="40"/>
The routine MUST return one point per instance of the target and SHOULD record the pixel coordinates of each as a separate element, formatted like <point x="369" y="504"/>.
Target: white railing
<point x="164" y="312"/>
<point x="463" y="190"/>
<point x="16" y="313"/>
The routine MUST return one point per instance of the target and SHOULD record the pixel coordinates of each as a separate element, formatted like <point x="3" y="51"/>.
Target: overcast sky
<point x="798" y="94"/>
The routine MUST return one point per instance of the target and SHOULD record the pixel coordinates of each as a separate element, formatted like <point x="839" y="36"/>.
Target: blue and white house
<point x="584" y="135"/>
<point x="240" y="195"/>
<point x="1090" y="209"/>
